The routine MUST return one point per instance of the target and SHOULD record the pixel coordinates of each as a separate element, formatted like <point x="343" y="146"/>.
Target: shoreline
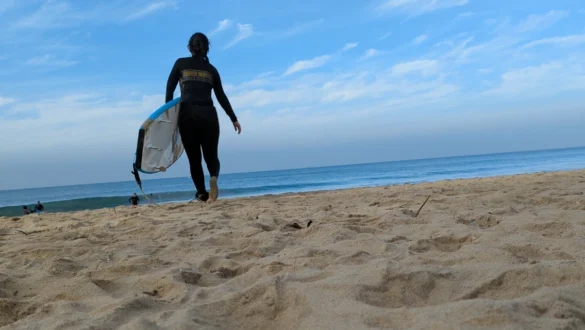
<point x="325" y="166"/>
<point x="113" y="201"/>
<point x="485" y="254"/>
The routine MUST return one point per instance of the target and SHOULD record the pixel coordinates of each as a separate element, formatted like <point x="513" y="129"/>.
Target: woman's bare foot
<point x="213" y="190"/>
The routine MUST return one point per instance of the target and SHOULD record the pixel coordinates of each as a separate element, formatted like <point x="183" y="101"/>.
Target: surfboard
<point x="159" y="143"/>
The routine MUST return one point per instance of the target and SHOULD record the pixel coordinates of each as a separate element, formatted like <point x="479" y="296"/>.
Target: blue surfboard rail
<point x="164" y="108"/>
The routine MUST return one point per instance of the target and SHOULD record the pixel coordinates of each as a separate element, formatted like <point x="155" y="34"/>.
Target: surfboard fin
<point x="136" y="175"/>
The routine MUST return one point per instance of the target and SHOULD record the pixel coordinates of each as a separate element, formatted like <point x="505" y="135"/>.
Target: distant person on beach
<point x="198" y="120"/>
<point x="134" y="200"/>
<point x="25" y="210"/>
<point x="39" y="207"/>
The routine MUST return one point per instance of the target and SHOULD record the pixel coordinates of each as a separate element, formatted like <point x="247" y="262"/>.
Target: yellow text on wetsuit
<point x="196" y="75"/>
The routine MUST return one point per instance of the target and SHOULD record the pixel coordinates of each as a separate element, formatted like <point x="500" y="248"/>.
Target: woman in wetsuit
<point x="198" y="120"/>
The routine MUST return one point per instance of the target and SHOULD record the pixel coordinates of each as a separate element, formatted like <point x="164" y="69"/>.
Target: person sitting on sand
<point x="39" y="207"/>
<point x="134" y="200"/>
<point x="198" y="121"/>
<point x="25" y="210"/>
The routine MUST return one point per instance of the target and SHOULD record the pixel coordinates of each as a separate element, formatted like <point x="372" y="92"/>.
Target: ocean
<point x="94" y="196"/>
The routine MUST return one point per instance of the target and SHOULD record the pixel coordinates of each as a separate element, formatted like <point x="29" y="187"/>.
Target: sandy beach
<point x="495" y="253"/>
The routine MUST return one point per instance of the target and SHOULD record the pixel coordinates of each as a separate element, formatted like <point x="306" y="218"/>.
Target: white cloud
<point x="360" y="85"/>
<point x="423" y="67"/>
<point x="261" y="97"/>
<point x="349" y="46"/>
<point x="49" y="60"/>
<point x="150" y="9"/>
<point x="464" y="51"/>
<point x="566" y="41"/>
<point x="465" y="15"/>
<point x="51" y="122"/>
<point x="50" y="14"/>
<point x="221" y="26"/>
<point x="244" y="31"/>
<point x="548" y="78"/>
<point x="6" y="5"/>
<point x="60" y="13"/>
<point x="506" y="43"/>
<point x="506" y="40"/>
<point x="385" y="36"/>
<point x="303" y="65"/>
<point x="316" y="91"/>
<point x="6" y="100"/>
<point x="371" y="53"/>
<point x="420" y="39"/>
<point x="301" y="28"/>
<point x="418" y="7"/>
<point x="265" y="74"/>
<point x="540" y="22"/>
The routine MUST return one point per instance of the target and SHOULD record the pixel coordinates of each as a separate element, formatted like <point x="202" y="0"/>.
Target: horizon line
<point x="310" y="167"/>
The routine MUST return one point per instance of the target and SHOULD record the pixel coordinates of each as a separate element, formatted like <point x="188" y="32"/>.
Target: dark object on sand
<point x="152" y="293"/>
<point x="420" y="208"/>
<point x="190" y="277"/>
<point x="309" y="224"/>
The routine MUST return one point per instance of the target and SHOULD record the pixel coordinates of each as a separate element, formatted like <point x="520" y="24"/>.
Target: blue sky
<point x="313" y="82"/>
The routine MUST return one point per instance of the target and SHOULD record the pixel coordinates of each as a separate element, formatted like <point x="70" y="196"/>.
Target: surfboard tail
<point x="139" y="147"/>
<point x="138" y="161"/>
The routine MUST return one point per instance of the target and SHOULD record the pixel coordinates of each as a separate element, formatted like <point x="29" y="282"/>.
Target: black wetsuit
<point x="134" y="200"/>
<point x="198" y="120"/>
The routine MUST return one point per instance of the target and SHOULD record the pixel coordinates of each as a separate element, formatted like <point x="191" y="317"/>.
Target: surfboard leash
<point x="139" y="182"/>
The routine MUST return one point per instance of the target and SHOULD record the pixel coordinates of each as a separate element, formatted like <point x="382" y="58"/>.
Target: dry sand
<point x="496" y="253"/>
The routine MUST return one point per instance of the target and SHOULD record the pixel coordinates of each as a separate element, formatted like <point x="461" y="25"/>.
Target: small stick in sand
<point x="420" y="208"/>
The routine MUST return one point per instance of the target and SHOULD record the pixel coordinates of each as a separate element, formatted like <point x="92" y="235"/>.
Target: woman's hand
<point x="237" y="127"/>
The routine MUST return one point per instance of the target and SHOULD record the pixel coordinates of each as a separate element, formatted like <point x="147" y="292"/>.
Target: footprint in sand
<point x="524" y="280"/>
<point x="552" y="229"/>
<point x="442" y="244"/>
<point x="412" y="289"/>
<point x="358" y="258"/>
<point x="106" y="285"/>
<point x="362" y="229"/>
<point x="13" y="310"/>
<point x="63" y="267"/>
<point x="216" y="271"/>
<point x="532" y="253"/>
<point x="484" y="221"/>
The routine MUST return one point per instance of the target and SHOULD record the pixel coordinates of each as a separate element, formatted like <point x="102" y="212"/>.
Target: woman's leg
<point x="192" y="145"/>
<point x="209" y="145"/>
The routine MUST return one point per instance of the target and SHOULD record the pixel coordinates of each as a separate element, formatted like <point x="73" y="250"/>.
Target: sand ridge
<point x="494" y="253"/>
